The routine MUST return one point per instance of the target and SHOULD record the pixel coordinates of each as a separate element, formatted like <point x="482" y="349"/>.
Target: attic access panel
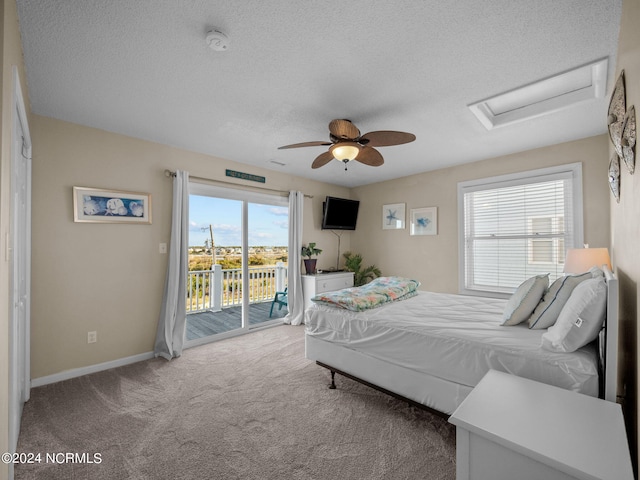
<point x="543" y="97"/>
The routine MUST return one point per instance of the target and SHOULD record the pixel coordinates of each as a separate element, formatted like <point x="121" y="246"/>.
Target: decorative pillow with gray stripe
<point x="524" y="300"/>
<point x="547" y="311"/>
<point x="555" y="298"/>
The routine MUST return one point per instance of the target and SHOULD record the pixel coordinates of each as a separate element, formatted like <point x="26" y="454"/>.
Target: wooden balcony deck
<point x="204" y="324"/>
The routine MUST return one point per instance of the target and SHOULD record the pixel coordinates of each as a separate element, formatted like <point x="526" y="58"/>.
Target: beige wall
<point x="434" y="259"/>
<point x="11" y="51"/>
<point x="109" y="277"/>
<point x="625" y="222"/>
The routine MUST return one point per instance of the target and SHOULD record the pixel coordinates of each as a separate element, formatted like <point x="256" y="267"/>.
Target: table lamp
<point x="580" y="260"/>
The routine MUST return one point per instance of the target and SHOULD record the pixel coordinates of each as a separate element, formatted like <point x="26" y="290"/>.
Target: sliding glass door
<point x="238" y="256"/>
<point x="268" y="254"/>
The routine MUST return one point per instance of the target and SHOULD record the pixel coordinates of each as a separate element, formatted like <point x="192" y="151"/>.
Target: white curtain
<point x="294" y="289"/>
<point x="172" y="321"/>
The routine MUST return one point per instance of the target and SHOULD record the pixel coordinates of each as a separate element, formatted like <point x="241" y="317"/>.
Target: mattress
<point x="456" y="338"/>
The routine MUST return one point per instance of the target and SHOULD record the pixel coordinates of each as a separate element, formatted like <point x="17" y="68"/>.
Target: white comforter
<point x="454" y="337"/>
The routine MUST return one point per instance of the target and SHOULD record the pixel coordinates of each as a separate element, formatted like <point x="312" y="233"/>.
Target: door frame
<point x="19" y="334"/>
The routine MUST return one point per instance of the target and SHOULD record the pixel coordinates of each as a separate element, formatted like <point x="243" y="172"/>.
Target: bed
<point x="431" y="349"/>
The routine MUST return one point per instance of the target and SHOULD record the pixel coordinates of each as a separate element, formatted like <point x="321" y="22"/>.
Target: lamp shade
<point x="345" y="151"/>
<point x="580" y="260"/>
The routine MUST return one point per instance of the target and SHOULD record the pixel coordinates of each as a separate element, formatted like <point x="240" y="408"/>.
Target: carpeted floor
<point x="250" y="407"/>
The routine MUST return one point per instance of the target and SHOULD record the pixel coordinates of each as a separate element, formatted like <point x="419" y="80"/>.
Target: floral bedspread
<point x="374" y="294"/>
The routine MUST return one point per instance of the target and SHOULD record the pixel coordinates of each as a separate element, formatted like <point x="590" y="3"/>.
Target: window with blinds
<point x="517" y="226"/>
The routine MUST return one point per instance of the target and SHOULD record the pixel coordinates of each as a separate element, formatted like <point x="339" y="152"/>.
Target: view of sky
<point x="267" y="223"/>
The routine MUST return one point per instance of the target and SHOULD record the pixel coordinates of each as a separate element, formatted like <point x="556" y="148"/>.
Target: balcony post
<point x="216" y="297"/>
<point x="281" y="276"/>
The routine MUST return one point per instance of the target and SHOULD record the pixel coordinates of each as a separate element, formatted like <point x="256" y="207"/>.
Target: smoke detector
<point x="217" y="40"/>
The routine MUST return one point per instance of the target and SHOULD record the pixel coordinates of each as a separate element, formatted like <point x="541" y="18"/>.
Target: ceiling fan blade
<point x="322" y="159"/>
<point x="370" y="156"/>
<point x="305" y="144"/>
<point x="343" y="129"/>
<point x="385" y="138"/>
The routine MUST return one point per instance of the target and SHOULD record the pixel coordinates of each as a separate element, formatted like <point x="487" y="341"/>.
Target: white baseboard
<point x="78" y="372"/>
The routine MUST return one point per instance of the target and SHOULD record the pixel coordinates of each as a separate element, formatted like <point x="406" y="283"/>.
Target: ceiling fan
<point x="347" y="144"/>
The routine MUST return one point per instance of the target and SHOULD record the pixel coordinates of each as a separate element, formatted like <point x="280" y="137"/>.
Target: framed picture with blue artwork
<point x="424" y="221"/>
<point x="96" y="205"/>
<point x="393" y="216"/>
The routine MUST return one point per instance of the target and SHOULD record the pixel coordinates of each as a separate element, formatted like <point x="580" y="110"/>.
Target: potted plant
<point x="353" y="263"/>
<point x="310" y="263"/>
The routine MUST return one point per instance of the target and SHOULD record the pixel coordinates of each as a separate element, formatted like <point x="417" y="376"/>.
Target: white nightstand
<point x="312" y="285"/>
<point x="510" y="428"/>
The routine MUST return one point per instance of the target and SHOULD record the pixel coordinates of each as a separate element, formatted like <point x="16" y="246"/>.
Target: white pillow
<point x="547" y="311"/>
<point x="524" y="300"/>
<point x="596" y="272"/>
<point x="581" y="318"/>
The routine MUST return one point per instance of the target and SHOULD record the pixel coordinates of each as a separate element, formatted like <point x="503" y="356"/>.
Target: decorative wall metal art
<point x="622" y="131"/>
<point x="617" y="109"/>
<point x="614" y="176"/>
<point x="629" y="139"/>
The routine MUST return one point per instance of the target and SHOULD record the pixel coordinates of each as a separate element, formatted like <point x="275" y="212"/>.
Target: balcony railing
<point x="217" y="289"/>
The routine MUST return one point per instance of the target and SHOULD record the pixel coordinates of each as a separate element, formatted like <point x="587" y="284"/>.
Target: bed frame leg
<point x="333" y="380"/>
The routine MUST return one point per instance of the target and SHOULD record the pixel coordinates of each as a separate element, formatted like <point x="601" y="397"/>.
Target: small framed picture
<point x="424" y="221"/>
<point x="96" y="205"/>
<point x="393" y="216"/>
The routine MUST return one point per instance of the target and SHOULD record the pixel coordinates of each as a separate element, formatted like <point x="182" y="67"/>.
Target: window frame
<point x="570" y="170"/>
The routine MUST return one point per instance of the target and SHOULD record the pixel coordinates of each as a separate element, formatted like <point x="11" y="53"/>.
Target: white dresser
<point x="324" y="282"/>
<point x="510" y="428"/>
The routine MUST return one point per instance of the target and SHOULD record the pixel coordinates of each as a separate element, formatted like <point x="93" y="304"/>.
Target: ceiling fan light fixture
<point x="345" y="151"/>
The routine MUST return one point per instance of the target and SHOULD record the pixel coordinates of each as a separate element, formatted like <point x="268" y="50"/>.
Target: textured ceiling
<point x="142" y="68"/>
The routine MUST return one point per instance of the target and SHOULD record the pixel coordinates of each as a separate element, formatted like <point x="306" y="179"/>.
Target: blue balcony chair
<point x="281" y="299"/>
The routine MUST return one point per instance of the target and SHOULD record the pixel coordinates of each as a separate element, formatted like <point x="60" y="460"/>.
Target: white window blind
<point x="517" y="226"/>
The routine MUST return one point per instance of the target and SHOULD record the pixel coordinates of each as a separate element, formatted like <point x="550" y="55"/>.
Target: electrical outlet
<point x="92" y="337"/>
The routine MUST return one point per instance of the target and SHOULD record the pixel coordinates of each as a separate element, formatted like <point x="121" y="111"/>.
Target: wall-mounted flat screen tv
<point x="340" y="214"/>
